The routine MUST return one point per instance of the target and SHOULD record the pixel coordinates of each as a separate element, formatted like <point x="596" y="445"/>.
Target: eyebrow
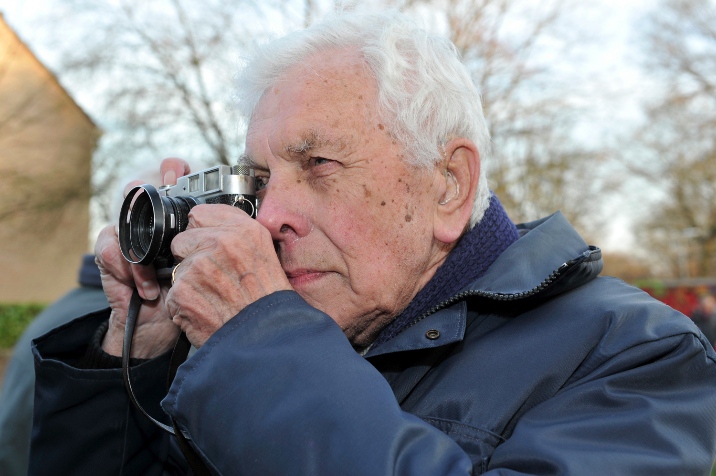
<point x="310" y="140"/>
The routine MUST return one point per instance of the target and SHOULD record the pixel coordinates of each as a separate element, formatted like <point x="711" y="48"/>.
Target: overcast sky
<point x="610" y="20"/>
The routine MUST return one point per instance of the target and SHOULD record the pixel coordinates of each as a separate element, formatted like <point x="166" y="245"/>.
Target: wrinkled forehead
<point x="335" y="74"/>
<point x="328" y="95"/>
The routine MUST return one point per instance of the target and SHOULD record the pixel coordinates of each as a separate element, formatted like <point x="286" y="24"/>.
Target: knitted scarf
<point x="469" y="260"/>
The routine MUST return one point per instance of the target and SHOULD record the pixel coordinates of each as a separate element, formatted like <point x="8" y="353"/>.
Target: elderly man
<point x="381" y="315"/>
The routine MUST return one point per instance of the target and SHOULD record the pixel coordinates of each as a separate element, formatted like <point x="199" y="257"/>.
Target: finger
<point x="109" y="258"/>
<point x="111" y="262"/>
<point x="208" y="228"/>
<point x="145" y="278"/>
<point x="203" y="216"/>
<point x="190" y="241"/>
<point x="171" y="169"/>
<point x="131" y="185"/>
<point x="236" y="234"/>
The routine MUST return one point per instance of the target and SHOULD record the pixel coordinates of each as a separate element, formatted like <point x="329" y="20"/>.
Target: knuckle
<point x="170" y="302"/>
<point x="225" y="241"/>
<point x="195" y="217"/>
<point x="104" y="252"/>
<point x="178" y="245"/>
<point x="106" y="234"/>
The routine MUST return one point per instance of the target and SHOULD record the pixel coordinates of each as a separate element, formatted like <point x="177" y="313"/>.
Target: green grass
<point x="14" y="318"/>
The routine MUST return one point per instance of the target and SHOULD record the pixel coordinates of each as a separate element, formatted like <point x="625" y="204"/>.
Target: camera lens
<point x="142" y="227"/>
<point x="148" y="222"/>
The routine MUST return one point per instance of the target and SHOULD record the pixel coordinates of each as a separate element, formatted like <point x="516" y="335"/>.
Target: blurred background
<point x="604" y="110"/>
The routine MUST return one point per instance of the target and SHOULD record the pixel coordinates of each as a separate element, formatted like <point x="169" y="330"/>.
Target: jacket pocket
<point x="478" y="443"/>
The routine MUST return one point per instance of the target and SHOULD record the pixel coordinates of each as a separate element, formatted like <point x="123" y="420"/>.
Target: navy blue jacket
<point x="18" y="389"/>
<point x="539" y="367"/>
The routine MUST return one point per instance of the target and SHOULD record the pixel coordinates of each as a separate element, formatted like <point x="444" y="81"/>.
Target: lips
<point x="303" y="277"/>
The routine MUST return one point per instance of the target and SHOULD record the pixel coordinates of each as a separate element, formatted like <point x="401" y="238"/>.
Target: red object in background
<point x="682" y="295"/>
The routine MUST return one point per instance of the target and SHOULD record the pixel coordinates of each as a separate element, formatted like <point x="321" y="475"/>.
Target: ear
<point x="460" y="172"/>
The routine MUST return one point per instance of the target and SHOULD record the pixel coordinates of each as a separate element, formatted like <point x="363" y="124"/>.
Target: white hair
<point x="425" y="93"/>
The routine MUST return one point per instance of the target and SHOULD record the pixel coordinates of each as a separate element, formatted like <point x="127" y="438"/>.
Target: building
<point x="46" y="146"/>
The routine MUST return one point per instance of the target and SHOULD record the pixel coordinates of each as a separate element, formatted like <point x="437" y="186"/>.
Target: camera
<point x="151" y="217"/>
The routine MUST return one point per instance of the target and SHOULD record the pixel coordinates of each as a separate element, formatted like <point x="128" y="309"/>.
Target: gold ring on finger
<point x="174" y="273"/>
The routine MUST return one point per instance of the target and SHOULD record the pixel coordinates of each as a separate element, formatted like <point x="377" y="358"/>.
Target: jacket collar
<point x="549" y="258"/>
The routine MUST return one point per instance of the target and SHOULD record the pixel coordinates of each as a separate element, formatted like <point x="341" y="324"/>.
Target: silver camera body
<point x="150" y="218"/>
<point x="220" y="184"/>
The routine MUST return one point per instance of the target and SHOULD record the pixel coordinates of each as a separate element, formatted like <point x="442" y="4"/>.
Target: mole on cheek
<point x="382" y="204"/>
<point x="408" y="218"/>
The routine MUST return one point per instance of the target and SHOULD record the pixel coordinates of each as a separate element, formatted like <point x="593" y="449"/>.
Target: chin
<point x="362" y="331"/>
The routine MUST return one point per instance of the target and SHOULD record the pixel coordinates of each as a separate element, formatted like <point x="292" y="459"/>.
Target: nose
<point x="285" y="211"/>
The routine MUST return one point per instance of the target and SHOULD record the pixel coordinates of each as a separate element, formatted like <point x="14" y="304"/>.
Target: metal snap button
<point x="432" y="334"/>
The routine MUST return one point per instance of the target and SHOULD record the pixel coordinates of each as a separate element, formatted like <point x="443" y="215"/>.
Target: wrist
<point x="150" y="339"/>
<point x="96" y="358"/>
<point x="114" y="337"/>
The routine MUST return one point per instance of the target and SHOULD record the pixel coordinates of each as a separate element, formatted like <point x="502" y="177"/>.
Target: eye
<point x="261" y="182"/>
<point x="315" y="161"/>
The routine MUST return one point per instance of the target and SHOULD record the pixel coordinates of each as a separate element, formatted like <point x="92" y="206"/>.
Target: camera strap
<point x="179" y="355"/>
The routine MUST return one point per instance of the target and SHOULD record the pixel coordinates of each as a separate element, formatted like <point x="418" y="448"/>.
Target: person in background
<point x="382" y="315"/>
<point x="17" y="395"/>
<point x="18" y="388"/>
<point x="704" y="316"/>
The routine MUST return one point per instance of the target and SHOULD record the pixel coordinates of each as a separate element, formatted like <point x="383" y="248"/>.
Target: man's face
<point x="352" y="223"/>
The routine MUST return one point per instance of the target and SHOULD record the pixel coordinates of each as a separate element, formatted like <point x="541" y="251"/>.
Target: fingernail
<point x="151" y="290"/>
<point x="170" y="177"/>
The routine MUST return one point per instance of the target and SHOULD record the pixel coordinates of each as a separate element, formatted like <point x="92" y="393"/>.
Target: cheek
<point x="382" y="218"/>
<point x="378" y="235"/>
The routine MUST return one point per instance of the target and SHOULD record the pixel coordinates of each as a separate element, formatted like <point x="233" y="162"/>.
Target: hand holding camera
<point x="151" y="218"/>
<point x="227" y="259"/>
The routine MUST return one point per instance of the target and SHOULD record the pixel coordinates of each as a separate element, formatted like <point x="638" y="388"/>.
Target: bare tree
<point x="678" y="144"/>
<point x="158" y="76"/>
<point x="539" y="166"/>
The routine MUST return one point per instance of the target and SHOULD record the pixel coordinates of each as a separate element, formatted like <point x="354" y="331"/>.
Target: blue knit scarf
<point x="469" y="260"/>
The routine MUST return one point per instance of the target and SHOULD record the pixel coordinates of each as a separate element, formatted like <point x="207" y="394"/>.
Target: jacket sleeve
<point x="16" y="398"/>
<point x="642" y="402"/>
<point x="279" y="390"/>
<point x="84" y="422"/>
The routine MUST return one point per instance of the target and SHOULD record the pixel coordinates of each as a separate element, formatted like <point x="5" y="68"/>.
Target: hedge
<point x="14" y="318"/>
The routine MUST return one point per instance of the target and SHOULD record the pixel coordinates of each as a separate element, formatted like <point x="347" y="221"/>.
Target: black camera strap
<point x="179" y="355"/>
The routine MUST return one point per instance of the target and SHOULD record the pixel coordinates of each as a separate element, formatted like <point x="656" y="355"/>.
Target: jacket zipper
<point x="498" y="296"/>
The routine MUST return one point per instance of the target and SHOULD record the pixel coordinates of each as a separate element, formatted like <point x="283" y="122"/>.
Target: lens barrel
<point x="148" y="222"/>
